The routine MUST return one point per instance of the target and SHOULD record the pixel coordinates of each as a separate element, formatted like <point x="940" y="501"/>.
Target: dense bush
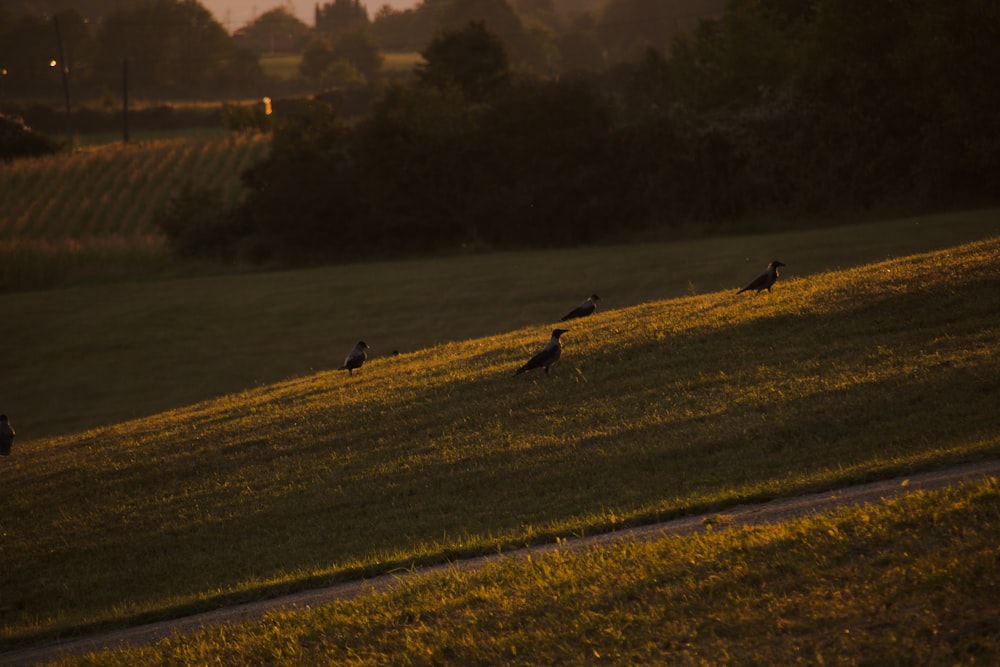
<point x="198" y="224"/>
<point x="18" y="140"/>
<point x="772" y="109"/>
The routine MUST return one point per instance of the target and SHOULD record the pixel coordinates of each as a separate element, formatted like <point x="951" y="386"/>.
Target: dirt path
<point x="739" y="516"/>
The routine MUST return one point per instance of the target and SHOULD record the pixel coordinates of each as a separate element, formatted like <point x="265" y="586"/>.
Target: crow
<point x="764" y="280"/>
<point x="549" y="355"/>
<point x="355" y="358"/>
<point x="588" y="307"/>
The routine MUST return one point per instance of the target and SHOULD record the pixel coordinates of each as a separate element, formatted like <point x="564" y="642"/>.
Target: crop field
<point x="113" y="191"/>
<point x="659" y="408"/>
<point x="87" y="217"/>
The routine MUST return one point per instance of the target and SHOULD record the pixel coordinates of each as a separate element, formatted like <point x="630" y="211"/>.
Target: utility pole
<point x="125" y="100"/>
<point x="64" y="67"/>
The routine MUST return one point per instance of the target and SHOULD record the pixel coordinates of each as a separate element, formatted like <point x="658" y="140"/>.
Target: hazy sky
<point x="235" y="14"/>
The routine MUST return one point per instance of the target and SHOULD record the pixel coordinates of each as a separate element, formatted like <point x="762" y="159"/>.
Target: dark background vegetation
<point x="543" y="123"/>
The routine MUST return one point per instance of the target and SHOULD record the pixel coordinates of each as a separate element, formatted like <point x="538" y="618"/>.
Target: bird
<point x="588" y="307"/>
<point x="765" y="280"/>
<point x="549" y="355"/>
<point x="356" y="357"/>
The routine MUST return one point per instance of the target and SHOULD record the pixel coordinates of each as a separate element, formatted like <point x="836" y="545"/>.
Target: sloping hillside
<point x="656" y="410"/>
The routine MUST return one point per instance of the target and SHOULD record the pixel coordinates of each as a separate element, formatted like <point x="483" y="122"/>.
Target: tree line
<point x="775" y="107"/>
<point x="177" y="49"/>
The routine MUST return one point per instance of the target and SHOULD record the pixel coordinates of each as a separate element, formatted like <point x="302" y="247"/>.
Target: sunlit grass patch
<point x="911" y="581"/>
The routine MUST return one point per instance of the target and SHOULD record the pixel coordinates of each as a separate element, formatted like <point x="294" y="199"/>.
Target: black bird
<point x="764" y="280"/>
<point x="355" y="358"/>
<point x="588" y="307"/>
<point x="549" y="355"/>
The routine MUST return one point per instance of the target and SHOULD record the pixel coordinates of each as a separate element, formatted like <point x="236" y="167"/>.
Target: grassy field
<point x="911" y="582"/>
<point x="281" y="66"/>
<point x="400" y="63"/>
<point x="657" y="409"/>
<point x="88" y="357"/>
<point x="286" y="66"/>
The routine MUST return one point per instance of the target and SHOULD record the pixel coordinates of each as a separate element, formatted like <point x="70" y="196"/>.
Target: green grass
<point x="660" y="409"/>
<point x="282" y="66"/>
<point x="908" y="582"/>
<point x="286" y="66"/>
<point x="400" y="63"/>
<point x="92" y="356"/>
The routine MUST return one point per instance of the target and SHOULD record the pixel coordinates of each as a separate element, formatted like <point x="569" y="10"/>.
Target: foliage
<point x="497" y="18"/>
<point x="413" y="156"/>
<point x="471" y="58"/>
<point x="542" y="179"/>
<point x="303" y="199"/>
<point x="274" y="31"/>
<point x="339" y="17"/>
<point x="358" y="49"/>
<point x="247" y="118"/>
<point x="771" y="108"/>
<point x="173" y="47"/>
<point x="196" y="52"/>
<point x="628" y="27"/>
<point x="197" y="223"/>
<point x="426" y="171"/>
<point x="17" y="140"/>
<point x="322" y="476"/>
<point x="324" y="59"/>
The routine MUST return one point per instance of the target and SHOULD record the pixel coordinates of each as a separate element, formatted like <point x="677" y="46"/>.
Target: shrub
<point x="197" y="223"/>
<point x="18" y="140"/>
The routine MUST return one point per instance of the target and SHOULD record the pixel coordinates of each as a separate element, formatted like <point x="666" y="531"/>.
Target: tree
<point x="330" y="61"/>
<point x="274" y="31"/>
<point x="628" y="27"/>
<point x="415" y="153"/>
<point x="360" y="50"/>
<point x="499" y="19"/>
<point x="26" y="49"/>
<point x="472" y="59"/>
<point x="545" y="177"/>
<point x="174" y="46"/>
<point x="18" y="140"/>
<point x="304" y="201"/>
<point x="340" y="16"/>
<point x="579" y="51"/>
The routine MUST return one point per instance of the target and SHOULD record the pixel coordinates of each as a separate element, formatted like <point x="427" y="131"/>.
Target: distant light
<point x="267" y="106"/>
<point x="52" y="63"/>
